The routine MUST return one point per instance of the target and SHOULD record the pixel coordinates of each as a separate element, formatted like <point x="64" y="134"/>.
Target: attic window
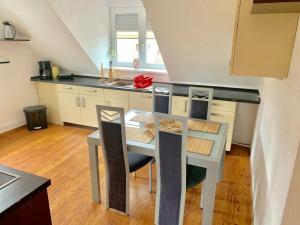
<point x="133" y="40"/>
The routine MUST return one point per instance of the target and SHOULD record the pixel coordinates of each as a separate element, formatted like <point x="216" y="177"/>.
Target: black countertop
<point x="220" y="93"/>
<point x="20" y="190"/>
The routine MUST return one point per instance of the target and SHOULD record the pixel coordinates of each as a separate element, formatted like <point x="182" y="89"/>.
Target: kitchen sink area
<point x="121" y="83"/>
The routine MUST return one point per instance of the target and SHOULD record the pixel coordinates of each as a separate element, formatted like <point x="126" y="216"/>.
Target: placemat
<point x="139" y="135"/>
<point x="143" y="118"/>
<point x="204" y="126"/>
<point x="199" y="145"/>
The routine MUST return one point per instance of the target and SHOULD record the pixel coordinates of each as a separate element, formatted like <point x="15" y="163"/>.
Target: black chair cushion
<point x="194" y="175"/>
<point x="137" y="161"/>
<point x="199" y="109"/>
<point x="161" y="104"/>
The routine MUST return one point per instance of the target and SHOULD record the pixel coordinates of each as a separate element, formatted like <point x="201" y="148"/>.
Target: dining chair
<point x="199" y="102"/>
<point x="162" y="98"/>
<point x="173" y="174"/>
<point x="118" y="161"/>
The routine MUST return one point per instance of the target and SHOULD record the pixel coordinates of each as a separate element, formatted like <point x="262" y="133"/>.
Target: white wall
<point x="195" y="39"/>
<point x="88" y="21"/>
<point x="50" y="38"/>
<point x="291" y="214"/>
<point x="16" y="89"/>
<point x="276" y="143"/>
<point x="124" y="2"/>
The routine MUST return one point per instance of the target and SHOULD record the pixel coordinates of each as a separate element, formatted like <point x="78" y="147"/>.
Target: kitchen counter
<point x="220" y="93"/>
<point x="18" y="192"/>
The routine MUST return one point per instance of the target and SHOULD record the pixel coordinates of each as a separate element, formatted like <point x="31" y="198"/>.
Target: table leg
<point x="221" y="167"/>
<point x="94" y="169"/>
<point x="209" y="195"/>
<point x="202" y="194"/>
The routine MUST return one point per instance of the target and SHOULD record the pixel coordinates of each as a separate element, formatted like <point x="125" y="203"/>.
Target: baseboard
<point x="12" y="126"/>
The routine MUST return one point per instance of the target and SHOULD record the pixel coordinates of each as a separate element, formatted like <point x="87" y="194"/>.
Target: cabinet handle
<point x="214" y="103"/>
<point x="82" y="102"/>
<point x="68" y="88"/>
<point x="185" y="105"/>
<point x="108" y="103"/>
<point x="147" y="97"/>
<point x="215" y="114"/>
<point x="77" y="101"/>
<point x="94" y="90"/>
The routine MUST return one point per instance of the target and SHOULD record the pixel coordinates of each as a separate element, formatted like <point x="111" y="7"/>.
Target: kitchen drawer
<point x="223" y="106"/>
<point x="108" y="93"/>
<point x="222" y="116"/>
<point x="117" y="102"/>
<point x="91" y="91"/>
<point x="68" y="88"/>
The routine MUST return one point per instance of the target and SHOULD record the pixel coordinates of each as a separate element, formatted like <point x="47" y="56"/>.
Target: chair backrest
<point x="111" y="123"/>
<point x="200" y="102"/>
<point x="162" y="98"/>
<point x="170" y="155"/>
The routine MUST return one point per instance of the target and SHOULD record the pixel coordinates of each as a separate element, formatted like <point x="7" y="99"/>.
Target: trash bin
<point x="36" y="117"/>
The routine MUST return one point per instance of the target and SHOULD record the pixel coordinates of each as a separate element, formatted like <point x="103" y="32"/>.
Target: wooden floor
<point x="60" y="153"/>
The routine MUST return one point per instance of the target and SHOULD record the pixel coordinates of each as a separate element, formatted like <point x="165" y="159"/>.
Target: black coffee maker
<point x="45" y="70"/>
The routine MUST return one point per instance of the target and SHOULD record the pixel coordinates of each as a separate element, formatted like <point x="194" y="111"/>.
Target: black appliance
<point x="65" y="76"/>
<point x="45" y="70"/>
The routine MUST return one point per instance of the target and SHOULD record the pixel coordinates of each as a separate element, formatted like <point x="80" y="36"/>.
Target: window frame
<point x="142" y="31"/>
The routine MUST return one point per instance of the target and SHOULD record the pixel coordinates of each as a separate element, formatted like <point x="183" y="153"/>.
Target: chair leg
<point x="150" y="176"/>
<point x="202" y="194"/>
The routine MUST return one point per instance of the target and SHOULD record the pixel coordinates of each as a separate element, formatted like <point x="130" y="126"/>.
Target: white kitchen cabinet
<point x="91" y="91"/>
<point x="224" y="111"/>
<point x="47" y="95"/>
<point x="116" y="102"/>
<point x="78" y="104"/>
<point x="68" y="88"/>
<point x="263" y="43"/>
<point x="140" y="101"/>
<point x="110" y="93"/>
<point x="69" y="107"/>
<point x="88" y="109"/>
<point x="116" y="98"/>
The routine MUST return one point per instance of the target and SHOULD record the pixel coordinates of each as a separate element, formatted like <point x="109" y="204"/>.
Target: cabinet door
<point x="117" y="102"/>
<point x="88" y="109"/>
<point x="140" y="101"/>
<point x="179" y="106"/>
<point x="263" y="44"/>
<point x="69" y="107"/>
<point x="47" y="95"/>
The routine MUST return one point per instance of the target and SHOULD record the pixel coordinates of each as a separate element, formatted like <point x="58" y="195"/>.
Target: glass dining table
<point x="214" y="162"/>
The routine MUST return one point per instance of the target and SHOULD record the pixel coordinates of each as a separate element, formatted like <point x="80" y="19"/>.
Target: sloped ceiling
<point x="50" y="37"/>
<point x="88" y="22"/>
<point x="195" y="39"/>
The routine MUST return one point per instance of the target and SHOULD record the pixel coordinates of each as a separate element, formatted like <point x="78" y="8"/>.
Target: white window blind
<point x="127" y="22"/>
